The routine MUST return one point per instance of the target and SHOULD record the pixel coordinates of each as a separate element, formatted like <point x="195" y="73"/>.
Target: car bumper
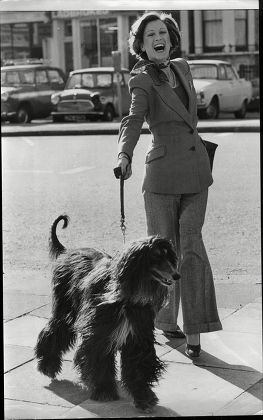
<point x="6" y="116"/>
<point x="201" y="106"/>
<point x="76" y="113"/>
<point x="76" y="116"/>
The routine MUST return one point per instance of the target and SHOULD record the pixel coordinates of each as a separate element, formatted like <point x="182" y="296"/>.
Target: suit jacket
<point x="177" y="160"/>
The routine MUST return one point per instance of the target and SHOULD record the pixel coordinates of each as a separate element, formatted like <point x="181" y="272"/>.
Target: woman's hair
<point x="138" y="27"/>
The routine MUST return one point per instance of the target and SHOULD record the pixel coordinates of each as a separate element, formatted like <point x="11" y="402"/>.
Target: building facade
<point x="73" y="39"/>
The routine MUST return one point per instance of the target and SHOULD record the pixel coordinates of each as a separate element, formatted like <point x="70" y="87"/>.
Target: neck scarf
<point x="143" y="65"/>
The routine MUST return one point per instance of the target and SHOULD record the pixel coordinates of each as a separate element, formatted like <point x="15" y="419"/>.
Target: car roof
<point x="97" y="70"/>
<point x="27" y="66"/>
<point x="207" y="62"/>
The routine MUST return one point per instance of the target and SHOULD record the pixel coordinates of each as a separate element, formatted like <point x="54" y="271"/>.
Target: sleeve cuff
<point x="126" y="155"/>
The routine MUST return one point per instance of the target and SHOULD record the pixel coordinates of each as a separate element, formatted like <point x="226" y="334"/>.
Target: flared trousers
<point x="180" y="218"/>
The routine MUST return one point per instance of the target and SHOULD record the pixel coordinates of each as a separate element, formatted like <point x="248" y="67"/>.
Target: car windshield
<point x="11" y="78"/>
<point x="89" y="80"/>
<point x="204" y="71"/>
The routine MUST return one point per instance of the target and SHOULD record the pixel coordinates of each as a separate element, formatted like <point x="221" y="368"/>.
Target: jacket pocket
<point x="155" y="153"/>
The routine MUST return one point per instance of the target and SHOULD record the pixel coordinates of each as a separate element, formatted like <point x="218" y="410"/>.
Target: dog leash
<point x="118" y="174"/>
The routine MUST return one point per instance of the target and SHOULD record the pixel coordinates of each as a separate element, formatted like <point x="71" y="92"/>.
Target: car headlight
<point x="55" y="99"/>
<point x="200" y="96"/>
<point x="4" y="96"/>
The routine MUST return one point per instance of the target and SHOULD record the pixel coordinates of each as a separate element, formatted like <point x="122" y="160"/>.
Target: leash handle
<point x="118" y="175"/>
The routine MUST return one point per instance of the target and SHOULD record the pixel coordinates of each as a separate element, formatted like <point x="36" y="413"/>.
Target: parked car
<point x="219" y="88"/>
<point x="26" y="91"/>
<point x="91" y="93"/>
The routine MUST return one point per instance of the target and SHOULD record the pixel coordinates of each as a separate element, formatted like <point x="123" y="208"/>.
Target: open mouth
<point x="161" y="278"/>
<point x="159" y="47"/>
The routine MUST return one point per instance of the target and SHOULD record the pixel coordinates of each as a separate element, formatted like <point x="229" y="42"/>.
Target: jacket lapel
<point x="170" y="98"/>
<point x="186" y="84"/>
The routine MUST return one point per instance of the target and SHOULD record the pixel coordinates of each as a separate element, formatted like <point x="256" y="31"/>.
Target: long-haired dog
<point x="110" y="303"/>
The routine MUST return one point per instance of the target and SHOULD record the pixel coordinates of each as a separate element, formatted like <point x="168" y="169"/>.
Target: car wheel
<point x="23" y="115"/>
<point x="212" y="111"/>
<point x="242" y="111"/>
<point x="108" y="113"/>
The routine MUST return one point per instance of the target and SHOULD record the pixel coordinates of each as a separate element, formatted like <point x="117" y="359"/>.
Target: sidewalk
<point x="48" y="128"/>
<point x="226" y="379"/>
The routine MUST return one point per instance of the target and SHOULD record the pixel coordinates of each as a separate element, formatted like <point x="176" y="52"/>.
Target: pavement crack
<point x="26" y="313"/>
<point x="22" y="364"/>
<point x="37" y="402"/>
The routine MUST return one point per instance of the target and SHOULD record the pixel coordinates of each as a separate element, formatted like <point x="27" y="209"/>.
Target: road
<point x="44" y="177"/>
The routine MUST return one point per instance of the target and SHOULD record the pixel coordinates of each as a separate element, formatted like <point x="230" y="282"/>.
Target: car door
<point x="234" y="88"/>
<point x="44" y="91"/>
<point x="223" y="88"/>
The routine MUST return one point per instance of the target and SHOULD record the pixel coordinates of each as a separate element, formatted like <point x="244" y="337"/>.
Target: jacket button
<point x="192" y="148"/>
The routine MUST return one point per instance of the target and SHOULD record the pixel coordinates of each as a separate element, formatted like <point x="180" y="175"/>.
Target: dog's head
<point x="147" y="268"/>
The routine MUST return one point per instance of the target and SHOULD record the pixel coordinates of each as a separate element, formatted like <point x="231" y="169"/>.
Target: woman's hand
<point x="124" y="164"/>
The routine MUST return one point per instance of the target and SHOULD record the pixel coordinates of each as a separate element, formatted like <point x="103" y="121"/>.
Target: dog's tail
<point x="55" y="247"/>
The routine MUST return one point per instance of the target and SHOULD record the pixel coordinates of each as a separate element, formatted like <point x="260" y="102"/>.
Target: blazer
<point x="177" y="161"/>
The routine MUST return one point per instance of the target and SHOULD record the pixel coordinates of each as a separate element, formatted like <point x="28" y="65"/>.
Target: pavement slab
<point x="201" y="392"/>
<point x="115" y="409"/>
<point x="246" y="403"/>
<point x="230" y="295"/>
<point x="23" y="331"/>
<point x="27" y="280"/>
<point x="230" y="350"/>
<point x="15" y="356"/>
<point x="27" y="384"/>
<point x="246" y="320"/>
<point x="17" y="304"/>
<point x="27" y="410"/>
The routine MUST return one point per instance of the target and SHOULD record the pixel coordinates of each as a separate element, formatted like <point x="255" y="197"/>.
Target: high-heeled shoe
<point x="178" y="333"/>
<point x="192" y="350"/>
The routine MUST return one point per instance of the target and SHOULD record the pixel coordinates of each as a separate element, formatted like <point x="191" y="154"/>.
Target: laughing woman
<point x="177" y="171"/>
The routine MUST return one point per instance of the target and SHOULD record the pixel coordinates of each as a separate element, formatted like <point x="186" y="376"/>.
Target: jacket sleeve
<point x="130" y="128"/>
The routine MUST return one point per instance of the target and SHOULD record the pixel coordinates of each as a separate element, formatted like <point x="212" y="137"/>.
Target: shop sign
<point x="67" y="14"/>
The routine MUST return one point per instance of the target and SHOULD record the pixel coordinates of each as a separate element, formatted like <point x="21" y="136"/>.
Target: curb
<point x="115" y="131"/>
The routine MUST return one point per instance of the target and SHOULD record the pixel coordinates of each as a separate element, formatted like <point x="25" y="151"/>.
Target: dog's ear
<point x="162" y="248"/>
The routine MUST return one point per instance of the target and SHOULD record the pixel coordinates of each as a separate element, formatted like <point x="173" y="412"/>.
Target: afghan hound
<point x="110" y="303"/>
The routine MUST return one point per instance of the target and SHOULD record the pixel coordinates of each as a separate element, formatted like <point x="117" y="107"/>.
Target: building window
<point x="108" y="40"/>
<point x="67" y="27"/>
<point x="212" y="31"/>
<point x="6" y="43"/>
<point x="241" y="30"/>
<point x="191" y="26"/>
<point x="20" y="41"/>
<point x="89" y="43"/>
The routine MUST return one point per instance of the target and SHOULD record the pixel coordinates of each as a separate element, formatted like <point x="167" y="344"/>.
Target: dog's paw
<point x="147" y="405"/>
<point x="144" y="407"/>
<point x="50" y="370"/>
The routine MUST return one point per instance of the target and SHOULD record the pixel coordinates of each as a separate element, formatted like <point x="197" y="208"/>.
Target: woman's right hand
<point x="124" y="164"/>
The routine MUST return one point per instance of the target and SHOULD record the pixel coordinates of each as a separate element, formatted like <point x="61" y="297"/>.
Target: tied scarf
<point x="145" y="65"/>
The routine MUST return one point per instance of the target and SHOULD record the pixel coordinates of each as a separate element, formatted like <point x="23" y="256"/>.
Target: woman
<point x="177" y="170"/>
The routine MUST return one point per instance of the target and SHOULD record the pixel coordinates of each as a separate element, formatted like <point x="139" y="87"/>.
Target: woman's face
<point x="156" y="41"/>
